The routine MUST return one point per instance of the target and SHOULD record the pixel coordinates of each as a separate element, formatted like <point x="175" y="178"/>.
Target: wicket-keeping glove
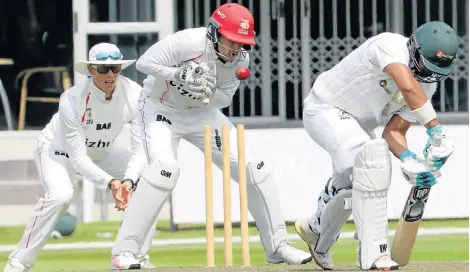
<point x="197" y="83"/>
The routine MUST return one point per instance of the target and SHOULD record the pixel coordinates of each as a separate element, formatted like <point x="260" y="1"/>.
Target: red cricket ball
<point x="242" y="73"/>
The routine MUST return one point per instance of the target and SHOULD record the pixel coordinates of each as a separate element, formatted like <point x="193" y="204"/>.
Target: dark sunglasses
<point x="103" y="69"/>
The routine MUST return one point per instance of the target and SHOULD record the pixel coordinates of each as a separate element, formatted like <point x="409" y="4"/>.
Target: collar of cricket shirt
<point x="100" y="95"/>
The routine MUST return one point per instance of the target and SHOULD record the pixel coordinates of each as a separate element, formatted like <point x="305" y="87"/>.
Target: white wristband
<point x="425" y="114"/>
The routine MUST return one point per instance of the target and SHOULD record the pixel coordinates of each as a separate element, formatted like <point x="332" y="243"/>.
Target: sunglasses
<point x="103" y="69"/>
<point x="105" y="55"/>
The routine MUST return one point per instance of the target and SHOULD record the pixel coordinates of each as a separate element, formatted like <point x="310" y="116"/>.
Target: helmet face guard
<point x="417" y="66"/>
<point x="213" y="36"/>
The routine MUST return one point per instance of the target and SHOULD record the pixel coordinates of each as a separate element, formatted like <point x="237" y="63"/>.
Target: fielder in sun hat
<point x="103" y="54"/>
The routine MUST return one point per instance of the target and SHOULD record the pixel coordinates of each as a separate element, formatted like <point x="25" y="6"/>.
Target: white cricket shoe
<point x="384" y="263"/>
<point x="145" y="262"/>
<point x="288" y="254"/>
<point x="124" y="261"/>
<point x="323" y="260"/>
<point x="13" y="265"/>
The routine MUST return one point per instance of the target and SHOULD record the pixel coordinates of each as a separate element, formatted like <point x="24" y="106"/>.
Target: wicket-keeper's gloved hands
<point x="438" y="148"/>
<point x="197" y="81"/>
<point x="417" y="171"/>
<point x="207" y="71"/>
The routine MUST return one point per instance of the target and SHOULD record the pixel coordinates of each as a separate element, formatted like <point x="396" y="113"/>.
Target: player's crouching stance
<point x="80" y="139"/>
<point x="177" y="103"/>
<point x="387" y="76"/>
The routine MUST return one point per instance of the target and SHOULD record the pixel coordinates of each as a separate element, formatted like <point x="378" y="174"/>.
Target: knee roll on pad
<point x="372" y="169"/>
<point x="372" y="174"/>
<point x="256" y="172"/>
<point x="162" y="174"/>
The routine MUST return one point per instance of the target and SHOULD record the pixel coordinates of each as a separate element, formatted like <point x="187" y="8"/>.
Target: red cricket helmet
<point x="235" y="22"/>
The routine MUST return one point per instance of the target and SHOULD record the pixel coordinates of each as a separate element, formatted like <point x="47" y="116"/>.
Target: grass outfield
<point x="442" y="250"/>
<point x="431" y="253"/>
<point x="89" y="232"/>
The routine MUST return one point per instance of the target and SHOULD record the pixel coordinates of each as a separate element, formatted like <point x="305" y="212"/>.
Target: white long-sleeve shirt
<point x="161" y="61"/>
<point x="359" y="85"/>
<point x="87" y="124"/>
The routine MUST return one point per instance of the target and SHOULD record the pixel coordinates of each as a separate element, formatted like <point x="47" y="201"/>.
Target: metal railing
<point x="26" y="75"/>
<point x="4" y="96"/>
<point x="299" y="39"/>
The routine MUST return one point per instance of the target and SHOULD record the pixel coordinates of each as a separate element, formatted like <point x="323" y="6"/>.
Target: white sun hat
<point x="103" y="54"/>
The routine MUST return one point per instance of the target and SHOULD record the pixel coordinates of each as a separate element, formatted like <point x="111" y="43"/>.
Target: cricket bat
<point x="408" y="224"/>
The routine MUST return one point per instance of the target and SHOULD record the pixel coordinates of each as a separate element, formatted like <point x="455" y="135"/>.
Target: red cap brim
<point x="238" y="38"/>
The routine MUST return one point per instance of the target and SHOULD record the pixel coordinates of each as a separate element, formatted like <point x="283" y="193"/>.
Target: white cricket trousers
<point x="162" y="137"/>
<point x="58" y="178"/>
<point x="338" y="133"/>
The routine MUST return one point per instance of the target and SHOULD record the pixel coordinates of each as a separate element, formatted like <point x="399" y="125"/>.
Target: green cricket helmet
<point x="433" y="47"/>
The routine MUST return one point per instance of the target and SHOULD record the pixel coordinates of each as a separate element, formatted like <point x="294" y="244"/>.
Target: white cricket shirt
<point x="359" y="86"/>
<point x="87" y="125"/>
<point x="161" y="60"/>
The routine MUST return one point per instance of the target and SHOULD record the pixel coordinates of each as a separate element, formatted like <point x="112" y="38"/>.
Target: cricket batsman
<point x="191" y="76"/>
<point x="388" y="78"/>
<point x="80" y="139"/>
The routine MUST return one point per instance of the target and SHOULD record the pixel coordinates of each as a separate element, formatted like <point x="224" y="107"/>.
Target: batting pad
<point x="155" y="185"/>
<point x="264" y="206"/>
<point x="372" y="174"/>
<point x="335" y="213"/>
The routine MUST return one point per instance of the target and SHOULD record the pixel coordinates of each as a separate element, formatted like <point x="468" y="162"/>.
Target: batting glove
<point x="417" y="171"/>
<point x="438" y="148"/>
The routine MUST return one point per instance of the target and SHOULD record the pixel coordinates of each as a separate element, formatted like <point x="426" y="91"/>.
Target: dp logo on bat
<point x="421" y="193"/>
